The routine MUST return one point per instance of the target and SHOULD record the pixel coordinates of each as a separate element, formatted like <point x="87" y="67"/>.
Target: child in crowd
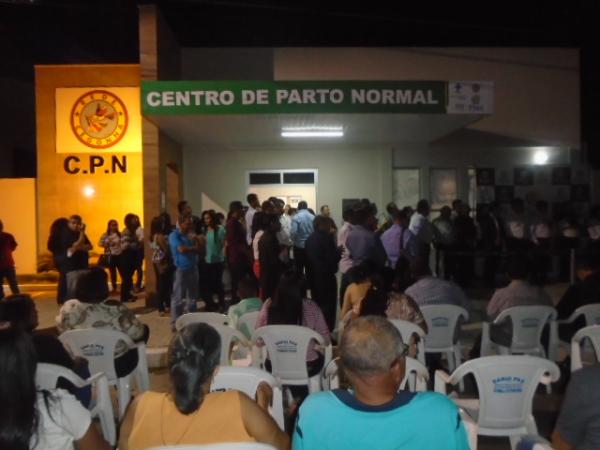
<point x="250" y="302"/>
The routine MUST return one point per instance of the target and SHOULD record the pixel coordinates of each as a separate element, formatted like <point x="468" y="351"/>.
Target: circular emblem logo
<point x="99" y="119"/>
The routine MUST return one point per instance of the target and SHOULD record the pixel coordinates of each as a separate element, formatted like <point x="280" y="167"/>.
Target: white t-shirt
<point x="67" y="421"/>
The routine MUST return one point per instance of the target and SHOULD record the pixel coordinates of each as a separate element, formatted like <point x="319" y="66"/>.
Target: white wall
<point x="536" y="89"/>
<point x="220" y="173"/>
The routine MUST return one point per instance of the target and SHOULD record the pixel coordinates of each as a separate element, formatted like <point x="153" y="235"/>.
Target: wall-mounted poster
<point x="504" y="177"/>
<point x="580" y="193"/>
<point x="523" y="176"/>
<point x="443" y="186"/>
<point x="504" y="194"/>
<point x="406" y="188"/>
<point x="561" y="175"/>
<point x="485" y="176"/>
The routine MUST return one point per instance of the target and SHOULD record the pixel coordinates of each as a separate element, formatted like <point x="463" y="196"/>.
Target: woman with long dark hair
<point x="111" y="242"/>
<point x="32" y="419"/>
<point x="162" y="260"/>
<point x="215" y="259"/>
<point x="289" y="307"/>
<point x="59" y="231"/>
<point x="189" y="413"/>
<point x="271" y="265"/>
<point x="130" y="248"/>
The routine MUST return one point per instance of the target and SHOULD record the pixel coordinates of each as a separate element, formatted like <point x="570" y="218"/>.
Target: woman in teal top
<point x="215" y="258"/>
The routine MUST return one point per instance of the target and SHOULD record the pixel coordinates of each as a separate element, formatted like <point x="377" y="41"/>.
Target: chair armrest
<point x="471" y="428"/>
<point x="441" y="378"/>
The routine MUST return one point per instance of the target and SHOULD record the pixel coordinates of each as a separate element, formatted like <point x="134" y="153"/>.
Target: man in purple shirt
<point x="399" y="240"/>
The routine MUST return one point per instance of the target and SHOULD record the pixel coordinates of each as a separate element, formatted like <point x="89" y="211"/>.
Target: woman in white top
<point x="111" y="242"/>
<point x="32" y="419"/>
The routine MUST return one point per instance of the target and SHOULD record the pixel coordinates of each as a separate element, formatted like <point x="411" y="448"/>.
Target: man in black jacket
<point x="323" y="256"/>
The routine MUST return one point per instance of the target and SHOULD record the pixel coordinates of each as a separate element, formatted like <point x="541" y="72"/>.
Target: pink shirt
<point x="312" y="318"/>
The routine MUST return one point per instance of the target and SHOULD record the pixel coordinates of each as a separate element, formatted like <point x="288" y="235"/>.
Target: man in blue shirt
<point x="186" y="284"/>
<point x="362" y="243"/>
<point x="375" y="415"/>
<point x="398" y="240"/>
<point x="302" y="228"/>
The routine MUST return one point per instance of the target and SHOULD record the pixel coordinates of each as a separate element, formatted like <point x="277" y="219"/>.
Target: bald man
<point x="376" y="415"/>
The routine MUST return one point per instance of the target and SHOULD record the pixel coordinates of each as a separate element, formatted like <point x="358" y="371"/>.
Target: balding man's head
<point x="370" y="346"/>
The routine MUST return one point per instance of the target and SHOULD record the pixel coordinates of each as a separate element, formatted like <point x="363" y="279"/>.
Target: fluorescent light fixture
<point x="312" y="132"/>
<point x="540" y="157"/>
<point x="89" y="191"/>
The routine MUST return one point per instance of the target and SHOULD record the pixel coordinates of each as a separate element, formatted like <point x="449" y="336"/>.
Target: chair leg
<point x="124" y="394"/>
<point x="457" y="362"/>
<point x="107" y="423"/>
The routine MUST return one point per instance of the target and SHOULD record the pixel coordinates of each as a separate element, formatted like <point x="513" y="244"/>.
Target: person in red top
<point x="7" y="263"/>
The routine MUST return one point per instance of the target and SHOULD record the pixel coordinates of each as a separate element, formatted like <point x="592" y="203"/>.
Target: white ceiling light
<point x="540" y="157"/>
<point x="312" y="132"/>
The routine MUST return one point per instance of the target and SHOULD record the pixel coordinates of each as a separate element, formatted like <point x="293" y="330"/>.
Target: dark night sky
<point x="79" y="31"/>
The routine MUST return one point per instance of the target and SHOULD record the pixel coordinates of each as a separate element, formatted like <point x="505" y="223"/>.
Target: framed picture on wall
<point x="561" y="175"/>
<point x="406" y="187"/>
<point x="443" y="187"/>
<point x="524" y="176"/>
<point x="485" y="176"/>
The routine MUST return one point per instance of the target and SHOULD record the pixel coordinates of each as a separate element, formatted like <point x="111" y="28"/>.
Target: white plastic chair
<point x="229" y="335"/>
<point x="47" y="376"/>
<point x="407" y="331"/>
<point x="415" y="378"/>
<point x="506" y="386"/>
<point x="527" y="325"/>
<point x="246" y="380"/>
<point x="211" y="318"/>
<point x="247" y="322"/>
<point x="593" y="334"/>
<point x="442" y="322"/>
<point x="590" y="312"/>
<point x="287" y="347"/>
<point x="223" y="446"/>
<point x="98" y="346"/>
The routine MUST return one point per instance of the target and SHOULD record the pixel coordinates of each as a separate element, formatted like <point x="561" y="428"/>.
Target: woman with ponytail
<point x="32" y="419"/>
<point x="188" y="413"/>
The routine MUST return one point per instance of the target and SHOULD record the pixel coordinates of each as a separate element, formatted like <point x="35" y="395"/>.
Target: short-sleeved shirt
<point x="430" y="290"/>
<point x="65" y="422"/>
<point x="186" y="260"/>
<point x="335" y="420"/>
<point x="215" y="245"/>
<point x="579" y="419"/>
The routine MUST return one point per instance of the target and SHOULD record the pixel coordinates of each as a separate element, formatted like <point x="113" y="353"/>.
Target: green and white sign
<point x="283" y="97"/>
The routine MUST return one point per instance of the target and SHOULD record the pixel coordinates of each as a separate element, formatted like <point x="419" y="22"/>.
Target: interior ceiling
<point x="265" y="130"/>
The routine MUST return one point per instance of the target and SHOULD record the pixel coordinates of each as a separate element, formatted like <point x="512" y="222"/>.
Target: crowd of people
<point x="282" y="263"/>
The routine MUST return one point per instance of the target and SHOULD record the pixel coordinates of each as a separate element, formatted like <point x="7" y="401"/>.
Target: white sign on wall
<point x="470" y="97"/>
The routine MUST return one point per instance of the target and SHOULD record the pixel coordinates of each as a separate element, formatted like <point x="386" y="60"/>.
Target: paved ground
<point x="545" y="406"/>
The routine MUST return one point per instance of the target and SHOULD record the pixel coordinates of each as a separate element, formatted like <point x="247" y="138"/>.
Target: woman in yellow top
<point x="189" y="414"/>
<point x="360" y="282"/>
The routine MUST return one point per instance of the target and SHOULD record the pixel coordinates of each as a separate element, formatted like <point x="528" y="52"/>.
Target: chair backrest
<point x="287" y="346"/>
<point x="592" y="333"/>
<point x="527" y="324"/>
<point x="442" y="321"/>
<point x="591" y="313"/>
<point x="407" y="331"/>
<point x="211" y="318"/>
<point x="246" y="380"/>
<point x="47" y="375"/>
<point x="415" y="378"/>
<point x="97" y="345"/>
<point x="246" y="323"/>
<point x="506" y="386"/>
<point x="228" y="335"/>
